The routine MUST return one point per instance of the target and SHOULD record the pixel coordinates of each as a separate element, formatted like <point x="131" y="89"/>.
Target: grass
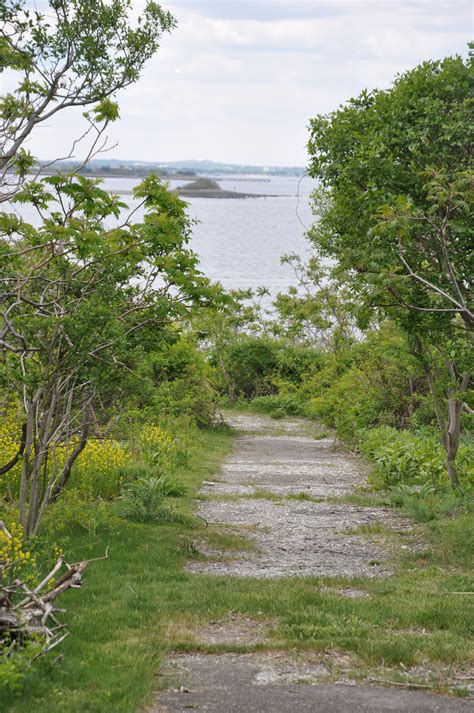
<point x="141" y="604"/>
<point x="228" y="540"/>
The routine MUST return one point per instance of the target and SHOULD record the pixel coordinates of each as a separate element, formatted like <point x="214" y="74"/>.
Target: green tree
<point x="395" y="207"/>
<point x="318" y="311"/>
<point x="82" y="303"/>
<point x="77" y="53"/>
<point x="86" y="290"/>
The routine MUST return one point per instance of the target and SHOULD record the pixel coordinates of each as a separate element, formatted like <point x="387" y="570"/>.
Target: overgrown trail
<point x="284" y="491"/>
<point x="278" y="489"/>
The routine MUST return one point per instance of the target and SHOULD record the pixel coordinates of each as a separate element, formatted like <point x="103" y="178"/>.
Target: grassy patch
<point x="362" y="498"/>
<point x="305" y="496"/>
<point x="370" y="528"/>
<point x="228" y="540"/>
<point x="263" y="494"/>
<point x="141" y="604"/>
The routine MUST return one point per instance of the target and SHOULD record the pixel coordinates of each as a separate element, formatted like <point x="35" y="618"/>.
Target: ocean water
<point x="240" y="241"/>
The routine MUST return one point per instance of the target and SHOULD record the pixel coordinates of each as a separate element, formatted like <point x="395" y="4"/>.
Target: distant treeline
<point x="113" y="167"/>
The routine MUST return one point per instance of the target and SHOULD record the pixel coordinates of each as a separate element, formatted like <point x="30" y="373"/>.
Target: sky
<point x="238" y="81"/>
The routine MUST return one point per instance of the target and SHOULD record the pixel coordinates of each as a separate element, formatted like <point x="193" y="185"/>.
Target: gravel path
<point x="262" y="494"/>
<point x="302" y="536"/>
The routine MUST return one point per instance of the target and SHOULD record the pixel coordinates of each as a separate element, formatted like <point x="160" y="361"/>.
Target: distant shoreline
<point x="210" y="194"/>
<point x="204" y="187"/>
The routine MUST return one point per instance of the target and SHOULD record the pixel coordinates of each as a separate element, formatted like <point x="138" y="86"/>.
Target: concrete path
<point x="231" y="683"/>
<point x="274" y="490"/>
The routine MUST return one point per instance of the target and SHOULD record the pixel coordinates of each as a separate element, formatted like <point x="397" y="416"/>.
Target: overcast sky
<point x="237" y="81"/>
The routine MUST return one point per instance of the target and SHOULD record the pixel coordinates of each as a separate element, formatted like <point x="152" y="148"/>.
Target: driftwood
<point x="33" y="616"/>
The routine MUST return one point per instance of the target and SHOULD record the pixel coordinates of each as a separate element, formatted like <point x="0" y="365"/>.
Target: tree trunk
<point x="450" y="428"/>
<point x="453" y="430"/>
<point x="30" y="437"/>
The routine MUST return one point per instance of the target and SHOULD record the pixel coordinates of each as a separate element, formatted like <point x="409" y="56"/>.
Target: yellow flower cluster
<point x="9" y="442"/>
<point x="14" y="557"/>
<point x="155" y="437"/>
<point x="99" y="467"/>
<point x="103" y="456"/>
<point x="157" y="445"/>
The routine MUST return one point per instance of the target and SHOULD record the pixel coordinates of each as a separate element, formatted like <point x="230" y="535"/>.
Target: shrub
<point x="144" y="500"/>
<point x="181" y="384"/>
<point x="76" y="510"/>
<point x="250" y="364"/>
<point x="280" y="404"/>
<point x="411" y="458"/>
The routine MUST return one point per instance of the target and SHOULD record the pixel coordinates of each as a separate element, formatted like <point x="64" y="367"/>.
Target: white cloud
<point x="238" y="81"/>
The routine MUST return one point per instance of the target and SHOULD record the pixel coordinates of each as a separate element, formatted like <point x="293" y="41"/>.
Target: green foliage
<point x="453" y="538"/>
<point x="411" y="459"/>
<point x="319" y="311"/>
<point x="249" y="364"/>
<point x="15" y="665"/>
<point x="395" y="208"/>
<point x="281" y="404"/>
<point x="374" y="382"/>
<point x="144" y="500"/>
<point x="80" y="351"/>
<point x="70" y="53"/>
<point x="180" y="378"/>
<point x="77" y="511"/>
<point x="101" y="469"/>
<point x="393" y="162"/>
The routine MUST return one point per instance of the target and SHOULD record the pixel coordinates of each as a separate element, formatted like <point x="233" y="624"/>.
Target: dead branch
<point x="34" y="615"/>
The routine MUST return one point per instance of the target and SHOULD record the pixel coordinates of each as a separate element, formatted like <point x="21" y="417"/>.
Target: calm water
<point x="240" y="241"/>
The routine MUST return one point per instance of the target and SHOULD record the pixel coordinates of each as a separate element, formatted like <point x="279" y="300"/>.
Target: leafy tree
<point x="318" y="311"/>
<point x="395" y="197"/>
<point x="82" y="303"/>
<point x="86" y="290"/>
<point x="78" y="53"/>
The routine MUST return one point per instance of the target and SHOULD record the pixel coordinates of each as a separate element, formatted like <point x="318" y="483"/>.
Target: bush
<point x="280" y="404"/>
<point x="250" y="364"/>
<point x="412" y="458"/>
<point x="144" y="499"/>
<point x="181" y="384"/>
<point x="76" y="510"/>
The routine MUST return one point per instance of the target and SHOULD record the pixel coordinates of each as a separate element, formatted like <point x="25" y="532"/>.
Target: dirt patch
<point x="235" y="630"/>
<point x="296" y="538"/>
<point x="288" y="465"/>
<point x="258" y="423"/>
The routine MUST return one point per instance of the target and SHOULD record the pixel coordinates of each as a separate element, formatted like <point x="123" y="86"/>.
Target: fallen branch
<point x="398" y="683"/>
<point x="34" y="615"/>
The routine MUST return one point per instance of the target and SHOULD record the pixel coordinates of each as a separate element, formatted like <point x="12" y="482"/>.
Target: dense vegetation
<point x="116" y="352"/>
